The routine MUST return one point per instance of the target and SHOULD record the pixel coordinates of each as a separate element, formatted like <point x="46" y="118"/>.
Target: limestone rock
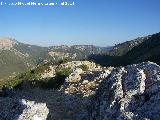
<point x="17" y="109"/>
<point x="130" y="93"/>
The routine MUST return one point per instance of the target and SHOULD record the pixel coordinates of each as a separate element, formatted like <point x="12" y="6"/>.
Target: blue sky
<point x="97" y="22"/>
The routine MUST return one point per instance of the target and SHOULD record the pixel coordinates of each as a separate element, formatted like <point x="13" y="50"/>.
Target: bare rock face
<point x="85" y="83"/>
<point x="6" y="43"/>
<point x="130" y="93"/>
<point x="76" y="64"/>
<point x="33" y="111"/>
<point x="14" y="109"/>
<point x="49" y="72"/>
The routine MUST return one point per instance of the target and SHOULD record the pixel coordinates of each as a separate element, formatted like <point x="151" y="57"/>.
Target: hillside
<point x="11" y="63"/>
<point x="75" y="52"/>
<point x="11" y="60"/>
<point x="135" y="51"/>
<point x="17" y="57"/>
<point x="123" y="48"/>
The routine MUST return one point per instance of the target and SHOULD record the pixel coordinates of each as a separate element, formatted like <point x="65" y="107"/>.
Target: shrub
<point x="83" y="67"/>
<point x="33" y="79"/>
<point x="56" y="81"/>
<point x="63" y="72"/>
<point x="10" y="84"/>
<point x="63" y="61"/>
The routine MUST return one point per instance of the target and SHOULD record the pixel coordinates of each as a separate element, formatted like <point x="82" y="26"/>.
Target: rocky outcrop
<point x="85" y="83"/>
<point x="122" y="93"/>
<point x="15" y="109"/>
<point x="6" y="43"/>
<point x="76" y="64"/>
<point x="49" y="72"/>
<point x="130" y="93"/>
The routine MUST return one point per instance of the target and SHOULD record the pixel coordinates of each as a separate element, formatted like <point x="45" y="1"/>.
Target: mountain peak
<point x="7" y="43"/>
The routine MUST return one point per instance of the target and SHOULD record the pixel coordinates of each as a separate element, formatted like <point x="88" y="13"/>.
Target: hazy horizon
<point x="21" y="41"/>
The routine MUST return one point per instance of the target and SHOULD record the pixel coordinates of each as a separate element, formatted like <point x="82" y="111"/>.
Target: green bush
<point x="33" y="79"/>
<point x="63" y="72"/>
<point x="63" y="61"/>
<point x="56" y="81"/>
<point x="83" y="67"/>
<point x="10" y="84"/>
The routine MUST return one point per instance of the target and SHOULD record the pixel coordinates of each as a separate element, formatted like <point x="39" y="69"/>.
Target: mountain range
<point x="16" y="57"/>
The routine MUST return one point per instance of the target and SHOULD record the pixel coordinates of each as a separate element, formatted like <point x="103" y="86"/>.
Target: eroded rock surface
<point x="130" y="93"/>
<point x="6" y="43"/>
<point x="17" y="109"/>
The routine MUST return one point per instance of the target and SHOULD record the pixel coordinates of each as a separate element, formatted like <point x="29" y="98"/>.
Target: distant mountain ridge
<point x="18" y="57"/>
<point x="123" y="48"/>
<point x="136" y="51"/>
